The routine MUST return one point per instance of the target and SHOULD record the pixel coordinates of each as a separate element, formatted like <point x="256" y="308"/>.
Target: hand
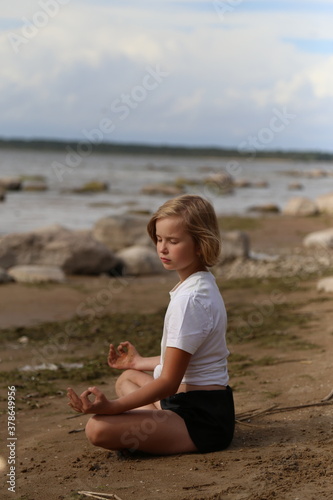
<point x="82" y="404"/>
<point x="124" y="357"/>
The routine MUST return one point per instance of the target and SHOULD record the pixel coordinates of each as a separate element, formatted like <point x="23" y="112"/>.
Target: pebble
<point x="302" y="264"/>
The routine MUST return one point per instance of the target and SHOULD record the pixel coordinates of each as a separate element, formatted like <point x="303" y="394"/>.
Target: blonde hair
<point x="200" y="221"/>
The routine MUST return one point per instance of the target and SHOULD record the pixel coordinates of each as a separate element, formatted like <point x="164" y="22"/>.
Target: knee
<point x="94" y="431"/>
<point x="122" y="380"/>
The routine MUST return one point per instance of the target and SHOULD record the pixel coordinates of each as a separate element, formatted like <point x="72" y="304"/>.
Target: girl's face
<point x="176" y="247"/>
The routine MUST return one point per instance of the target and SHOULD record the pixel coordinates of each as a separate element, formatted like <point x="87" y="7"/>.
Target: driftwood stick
<point x="241" y="422"/>
<point x="275" y="409"/>
<point x="329" y="396"/>
<point x="94" y="494"/>
<point x="253" y="413"/>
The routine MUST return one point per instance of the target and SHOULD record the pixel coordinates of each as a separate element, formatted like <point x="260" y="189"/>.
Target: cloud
<point x="225" y="75"/>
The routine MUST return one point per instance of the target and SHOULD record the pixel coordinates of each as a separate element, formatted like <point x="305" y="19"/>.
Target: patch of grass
<point x="322" y="298"/>
<point x="239" y="386"/>
<point x="44" y="383"/>
<point x="53" y="340"/>
<point x="240" y="365"/>
<point x="41" y="383"/>
<point x="276" y="288"/>
<point x="240" y="370"/>
<point x="267" y="361"/>
<point x="237" y="358"/>
<point x="234" y="223"/>
<point x="272" y="394"/>
<point x="306" y="376"/>
<point x="144" y="330"/>
<point x="271" y="327"/>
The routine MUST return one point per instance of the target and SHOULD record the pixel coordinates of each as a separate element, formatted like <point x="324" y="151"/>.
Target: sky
<point x="251" y="75"/>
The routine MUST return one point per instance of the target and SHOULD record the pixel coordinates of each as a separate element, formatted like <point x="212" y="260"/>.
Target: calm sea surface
<point x="127" y="175"/>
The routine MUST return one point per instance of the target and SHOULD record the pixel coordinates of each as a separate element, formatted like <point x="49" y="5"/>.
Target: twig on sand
<point x="101" y="496"/>
<point x="276" y="409"/>
<point x="241" y="417"/>
<point x="328" y="397"/>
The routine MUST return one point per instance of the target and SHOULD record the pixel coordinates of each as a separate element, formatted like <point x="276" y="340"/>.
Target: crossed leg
<point x="147" y="429"/>
<point x="131" y="380"/>
<point x="153" y="431"/>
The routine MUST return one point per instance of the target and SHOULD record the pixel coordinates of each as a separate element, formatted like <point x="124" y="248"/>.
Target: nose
<point x="162" y="247"/>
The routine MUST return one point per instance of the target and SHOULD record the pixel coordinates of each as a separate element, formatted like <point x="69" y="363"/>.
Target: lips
<point x="163" y="259"/>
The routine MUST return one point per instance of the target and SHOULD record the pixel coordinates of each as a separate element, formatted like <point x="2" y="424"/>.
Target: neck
<point x="186" y="274"/>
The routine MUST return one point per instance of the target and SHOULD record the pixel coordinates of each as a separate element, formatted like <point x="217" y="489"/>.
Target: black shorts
<point x="209" y="416"/>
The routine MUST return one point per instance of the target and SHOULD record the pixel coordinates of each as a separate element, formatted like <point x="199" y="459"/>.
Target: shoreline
<point x="279" y="336"/>
<point x="271" y="235"/>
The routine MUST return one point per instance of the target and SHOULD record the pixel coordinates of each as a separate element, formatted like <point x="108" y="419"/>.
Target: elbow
<point x="169" y="388"/>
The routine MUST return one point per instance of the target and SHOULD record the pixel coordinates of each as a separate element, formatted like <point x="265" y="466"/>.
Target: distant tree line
<point x="162" y="150"/>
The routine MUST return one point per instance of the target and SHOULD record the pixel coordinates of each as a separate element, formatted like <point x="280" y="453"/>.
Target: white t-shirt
<point x="196" y="322"/>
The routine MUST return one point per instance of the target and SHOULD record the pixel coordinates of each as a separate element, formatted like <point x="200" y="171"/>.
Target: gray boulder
<point x="300" y="206"/>
<point x="74" y="252"/>
<point x="37" y="274"/>
<point x="235" y="245"/>
<point x="319" y="238"/>
<point x="325" y="285"/>
<point x="266" y="208"/>
<point x="11" y="183"/>
<point x="120" y="232"/>
<point x="140" y="260"/>
<point x="325" y="203"/>
<point x="30" y="185"/>
<point x="163" y="189"/>
<point x="220" y="183"/>
<point x="295" y="186"/>
<point x="4" y="276"/>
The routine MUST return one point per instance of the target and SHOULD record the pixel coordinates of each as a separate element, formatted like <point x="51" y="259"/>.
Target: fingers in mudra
<point x="74" y="401"/>
<point x="120" y="357"/>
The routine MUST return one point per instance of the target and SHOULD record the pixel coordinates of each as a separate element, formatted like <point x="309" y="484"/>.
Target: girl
<point x="186" y="405"/>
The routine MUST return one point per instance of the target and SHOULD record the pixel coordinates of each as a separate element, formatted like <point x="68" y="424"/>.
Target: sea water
<point x="127" y="175"/>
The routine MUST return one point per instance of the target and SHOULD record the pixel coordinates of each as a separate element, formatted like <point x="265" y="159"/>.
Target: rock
<point x="268" y="208"/>
<point x="183" y="182"/>
<point x="295" y="186"/>
<point x="164" y="189"/>
<point x="220" y="183"/>
<point x="319" y="239"/>
<point x="34" y="186"/>
<point x="260" y="184"/>
<point x="325" y="203"/>
<point x="5" y="277"/>
<point x="92" y="187"/>
<point x="242" y="183"/>
<point x="120" y="232"/>
<point x="140" y="260"/>
<point x="235" y="244"/>
<point x="37" y="274"/>
<point x="301" y="264"/>
<point x="11" y="183"/>
<point x="325" y="285"/>
<point x="316" y="173"/>
<point x="300" y="206"/>
<point x="74" y="252"/>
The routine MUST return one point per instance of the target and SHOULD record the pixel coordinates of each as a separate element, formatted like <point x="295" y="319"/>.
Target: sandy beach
<point x="280" y="372"/>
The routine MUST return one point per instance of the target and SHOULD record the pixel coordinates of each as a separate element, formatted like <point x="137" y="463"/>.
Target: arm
<point x="127" y="357"/>
<point x="174" y="367"/>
